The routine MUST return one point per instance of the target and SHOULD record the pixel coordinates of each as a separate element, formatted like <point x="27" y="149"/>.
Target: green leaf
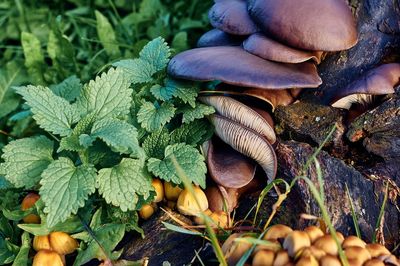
<point x="193" y="133"/>
<point x="8" y="251"/>
<point x="4" y="183"/>
<point x="25" y="160"/>
<point x="70" y="226"/>
<point x="69" y="89"/>
<point x="155" y="144"/>
<point x="180" y="42"/>
<point x="162" y="93"/>
<point x="60" y="50"/>
<point x="51" y="112"/>
<point x="22" y="257"/>
<point x="108" y="236"/>
<point x="181" y="230"/>
<point x="200" y="111"/>
<point x="189" y="158"/>
<point x="118" y="134"/>
<point x="65" y="188"/>
<point x="8" y="99"/>
<point x="152" y="117"/>
<point x="137" y="70"/>
<point x="157" y="53"/>
<point x="34" y="59"/>
<point x="106" y="35"/>
<point x="122" y="185"/>
<point x="184" y="91"/>
<point x="107" y="96"/>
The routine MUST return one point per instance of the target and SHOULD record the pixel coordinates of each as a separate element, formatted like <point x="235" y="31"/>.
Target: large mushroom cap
<point x="267" y="48"/>
<point x="235" y="66"/>
<point x="232" y="17"/>
<point x="318" y="25"/>
<point x="216" y="37"/>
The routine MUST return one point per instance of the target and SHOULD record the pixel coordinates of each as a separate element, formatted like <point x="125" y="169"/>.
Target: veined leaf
<point x="137" y="70"/>
<point x="153" y="117"/>
<point x="157" y="53"/>
<point x="65" y="188"/>
<point x="200" y="111"/>
<point x="106" y="35"/>
<point x="193" y="133"/>
<point x="69" y="89"/>
<point x="122" y="185"/>
<point x="155" y="144"/>
<point x="25" y="160"/>
<point x="51" y="112"/>
<point x="189" y="158"/>
<point x="34" y="59"/>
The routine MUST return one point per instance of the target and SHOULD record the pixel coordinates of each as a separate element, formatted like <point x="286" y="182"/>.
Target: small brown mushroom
<point x="313" y="233"/>
<point x="216" y="37"/>
<point x="312" y="251"/>
<point x="377" y="250"/>
<point x="277" y="231"/>
<point x="358" y="254"/>
<point x="187" y="203"/>
<point x="267" y="48"/>
<point x="281" y="258"/>
<point x="263" y="258"/>
<point x="374" y="262"/>
<point x="329" y="260"/>
<point x="389" y="259"/>
<point x="234" y="250"/>
<point x="353" y="241"/>
<point x="235" y="66"/>
<point x="295" y="241"/>
<point x="327" y="244"/>
<point x="307" y="261"/>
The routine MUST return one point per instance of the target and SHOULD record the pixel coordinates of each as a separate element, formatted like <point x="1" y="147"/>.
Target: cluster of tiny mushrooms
<point x="268" y="51"/>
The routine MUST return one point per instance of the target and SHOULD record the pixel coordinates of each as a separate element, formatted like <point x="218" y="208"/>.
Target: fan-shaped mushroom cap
<point x="227" y="167"/>
<point x="267" y="48"/>
<point x="216" y="37"/>
<point x="235" y="66"/>
<point x="231" y="16"/>
<point x="378" y="81"/>
<point x="242" y="114"/>
<point x="323" y="25"/>
<point x="248" y="142"/>
<point x="273" y="97"/>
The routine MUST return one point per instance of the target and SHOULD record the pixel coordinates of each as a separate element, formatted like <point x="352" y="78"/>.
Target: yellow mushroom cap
<point x="220" y="218"/>
<point x="281" y="258"/>
<point x="47" y="258"/>
<point x="62" y="243"/>
<point x="377" y="250"/>
<point x="187" y="204"/>
<point x="389" y="259"/>
<point x="312" y="251"/>
<point x="374" y="262"/>
<point x="314" y="233"/>
<point x="199" y="219"/>
<point x="263" y="258"/>
<point x="307" y="261"/>
<point x="234" y="250"/>
<point x="329" y="260"/>
<point x="327" y="244"/>
<point x="171" y="191"/>
<point x="295" y="241"/>
<point x="277" y="231"/>
<point x="146" y="211"/>
<point x="159" y="188"/>
<point x="359" y="254"/>
<point x="353" y="241"/>
<point x="41" y="242"/>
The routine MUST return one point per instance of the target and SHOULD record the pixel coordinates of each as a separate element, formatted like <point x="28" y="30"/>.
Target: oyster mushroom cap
<point x="273" y="97"/>
<point x="248" y="142"/>
<point x="216" y="37"/>
<point x="324" y="25"/>
<point x="378" y="81"/>
<point x="235" y="66"/>
<point x="267" y="48"/>
<point x="227" y="167"/>
<point x="231" y="16"/>
<point x="242" y="114"/>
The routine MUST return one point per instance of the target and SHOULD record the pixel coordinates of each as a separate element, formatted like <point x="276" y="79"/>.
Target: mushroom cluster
<point x="281" y="245"/>
<point x="264" y="50"/>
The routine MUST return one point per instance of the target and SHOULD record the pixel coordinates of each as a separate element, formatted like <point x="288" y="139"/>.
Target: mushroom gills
<point x="348" y="101"/>
<point x="248" y="142"/>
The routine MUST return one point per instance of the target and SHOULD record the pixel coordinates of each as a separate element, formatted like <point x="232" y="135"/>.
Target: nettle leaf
<point x="25" y="160"/>
<point x="34" y="59"/>
<point x="69" y="89"/>
<point x="153" y="117"/>
<point x="193" y="133"/>
<point x="107" y="96"/>
<point x="122" y="185"/>
<point x="51" y="112"/>
<point x="118" y="134"/>
<point x="155" y="144"/>
<point x="65" y="188"/>
<point x="157" y="53"/>
<point x="137" y="70"/>
<point x="189" y="159"/>
<point x="185" y="91"/>
<point x="200" y="111"/>
<point x="106" y="35"/>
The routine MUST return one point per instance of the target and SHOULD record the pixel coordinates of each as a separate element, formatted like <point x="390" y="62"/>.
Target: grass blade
<point x="353" y="213"/>
<point x="381" y="213"/>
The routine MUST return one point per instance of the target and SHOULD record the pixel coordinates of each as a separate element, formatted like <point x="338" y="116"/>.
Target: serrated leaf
<point x="51" y="112"/>
<point x="122" y="185"/>
<point x="162" y="93"/>
<point x="185" y="91"/>
<point x="189" y="158"/>
<point x="155" y="143"/>
<point x="107" y="96"/>
<point x="157" y="53"/>
<point x="193" y="133"/>
<point x="25" y="160"/>
<point x="65" y="188"/>
<point x="118" y="134"/>
<point x="69" y="89"/>
<point x="106" y="35"/>
<point x="34" y="59"/>
<point x="152" y="117"/>
<point x="137" y="70"/>
<point x="200" y="111"/>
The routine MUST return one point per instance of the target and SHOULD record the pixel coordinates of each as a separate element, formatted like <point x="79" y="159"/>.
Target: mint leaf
<point x="107" y="96"/>
<point x="122" y="185"/>
<point x="152" y="117"/>
<point x="106" y="35"/>
<point x="189" y="159"/>
<point x="157" y="53"/>
<point x="185" y="91"/>
<point x="34" y="59"/>
<point x="155" y="144"/>
<point x="118" y="134"/>
<point x="25" y="160"/>
<point x="65" y="188"/>
<point x="69" y="89"/>
<point x="163" y="93"/>
<point x="191" y="114"/>
<point x="51" y="112"/>
<point x="193" y="133"/>
<point x="138" y="70"/>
